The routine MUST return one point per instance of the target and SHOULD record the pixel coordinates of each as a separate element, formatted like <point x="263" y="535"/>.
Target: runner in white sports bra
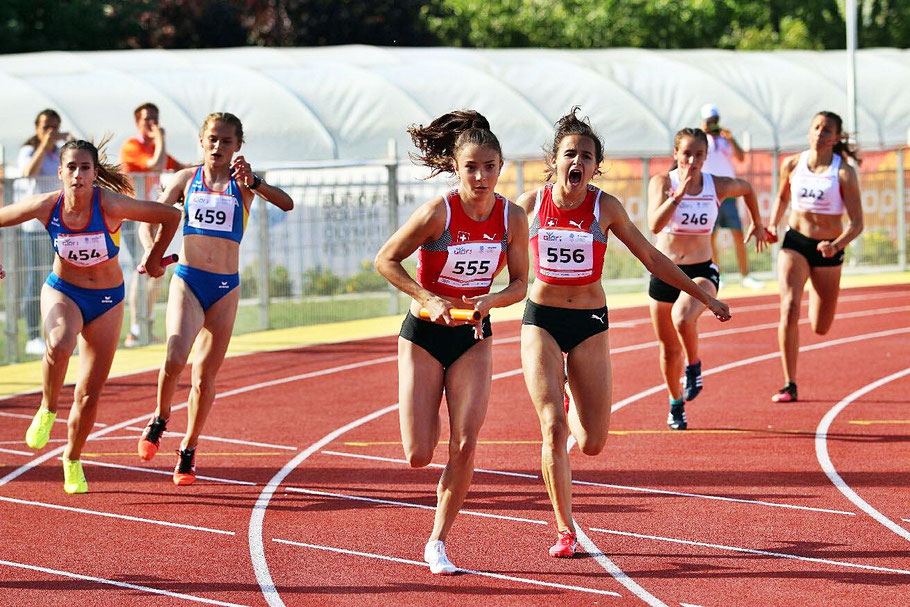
<point x="682" y="209"/>
<point x="821" y="186"/>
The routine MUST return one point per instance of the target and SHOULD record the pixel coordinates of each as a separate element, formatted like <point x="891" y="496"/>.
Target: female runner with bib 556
<point x="566" y="311"/>
<point x="463" y="239"/>
<point x="682" y="210"/>
<point x="203" y="297"/>
<point x="82" y="298"/>
<point x="820" y="186"/>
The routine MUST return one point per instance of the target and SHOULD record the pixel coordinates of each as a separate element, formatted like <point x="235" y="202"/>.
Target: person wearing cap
<point x="722" y="149"/>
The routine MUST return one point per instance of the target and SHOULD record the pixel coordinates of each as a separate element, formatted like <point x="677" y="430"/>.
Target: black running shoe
<point x="185" y="470"/>
<point x="693" y="380"/>
<point x="677" y="417"/>
<point x="787" y="394"/>
<point x="151" y="438"/>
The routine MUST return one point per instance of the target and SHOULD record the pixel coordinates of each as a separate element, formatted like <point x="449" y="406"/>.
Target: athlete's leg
<point x="686" y="311"/>
<point x="823" y="295"/>
<point x="467" y="388"/>
<point x="542" y="363"/>
<point x="184" y="319"/>
<point x="591" y="381"/>
<point x="792" y="273"/>
<point x="97" y="345"/>
<point x="671" y="350"/>
<point x="420" y="384"/>
<point x="62" y="323"/>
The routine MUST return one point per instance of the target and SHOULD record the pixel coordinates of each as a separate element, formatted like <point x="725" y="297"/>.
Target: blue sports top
<point x="210" y="213"/>
<point x="88" y="246"/>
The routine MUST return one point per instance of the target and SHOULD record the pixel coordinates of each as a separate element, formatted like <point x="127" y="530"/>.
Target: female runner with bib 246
<point x="682" y="210"/>
<point x="820" y="185"/>
<point x="82" y="298"/>
<point x="567" y="308"/>
<point x="463" y="239"/>
<point x="203" y="297"/>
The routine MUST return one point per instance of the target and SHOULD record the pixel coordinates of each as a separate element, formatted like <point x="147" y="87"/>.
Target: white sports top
<point x="696" y="213"/>
<point x="816" y="192"/>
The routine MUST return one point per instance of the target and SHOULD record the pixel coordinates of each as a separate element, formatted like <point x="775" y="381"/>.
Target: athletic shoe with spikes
<point x="73" y="477"/>
<point x="434" y="553"/>
<point x="185" y="470"/>
<point x="677" y="417"/>
<point x="39" y="432"/>
<point x="151" y="438"/>
<point x="693" y="380"/>
<point x="787" y="394"/>
<point x="565" y="545"/>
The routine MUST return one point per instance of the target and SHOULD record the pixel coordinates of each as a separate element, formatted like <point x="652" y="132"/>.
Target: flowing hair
<point x="109" y="175"/>
<point x="844" y="147"/>
<point x="443" y="138"/>
<point x="570" y="124"/>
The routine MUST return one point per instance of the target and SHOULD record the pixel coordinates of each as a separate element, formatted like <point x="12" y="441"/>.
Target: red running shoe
<point x="185" y="471"/>
<point x="566" y="544"/>
<point x="787" y="394"/>
<point x="151" y="438"/>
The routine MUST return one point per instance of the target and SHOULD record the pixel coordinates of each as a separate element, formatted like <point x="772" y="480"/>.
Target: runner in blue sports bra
<point x="83" y="296"/>
<point x="203" y="295"/>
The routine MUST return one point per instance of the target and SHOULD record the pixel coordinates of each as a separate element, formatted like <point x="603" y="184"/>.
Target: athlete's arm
<point x="119" y="207"/>
<point x="783" y="195"/>
<point x="37" y="206"/>
<point x="849" y="187"/>
<point x="243" y="174"/>
<point x="517" y="263"/>
<point x="661" y="204"/>
<point x="731" y="187"/>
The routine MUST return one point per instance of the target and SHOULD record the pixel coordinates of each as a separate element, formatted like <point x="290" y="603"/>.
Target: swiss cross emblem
<point x="463" y="236"/>
<point x="551" y="222"/>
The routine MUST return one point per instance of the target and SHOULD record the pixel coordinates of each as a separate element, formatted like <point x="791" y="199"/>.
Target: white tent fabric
<point x="346" y="103"/>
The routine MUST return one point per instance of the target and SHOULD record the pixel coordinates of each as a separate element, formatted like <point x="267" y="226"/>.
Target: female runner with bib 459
<point x="566" y="311"/>
<point x="463" y="239"/>
<point x="682" y="210"/>
<point x="82" y="298"/>
<point x="203" y="297"/>
<point x="820" y="186"/>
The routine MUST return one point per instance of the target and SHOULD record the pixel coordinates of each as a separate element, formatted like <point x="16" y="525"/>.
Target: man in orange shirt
<point x="144" y="153"/>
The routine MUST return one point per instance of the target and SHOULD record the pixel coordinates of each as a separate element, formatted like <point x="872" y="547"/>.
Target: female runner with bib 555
<point x="820" y="186"/>
<point x="463" y="239"/>
<point x="682" y="210"/>
<point x="566" y="311"/>
<point x="203" y="297"/>
<point x="82" y="298"/>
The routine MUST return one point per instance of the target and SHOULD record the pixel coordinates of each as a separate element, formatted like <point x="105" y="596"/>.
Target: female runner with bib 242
<point x="203" y="297"/>
<point x="820" y="186"/>
<point x="566" y="311"/>
<point x="463" y="239"/>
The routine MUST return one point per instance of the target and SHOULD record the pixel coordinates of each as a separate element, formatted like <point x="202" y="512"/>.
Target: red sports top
<point x="469" y="254"/>
<point x="568" y="245"/>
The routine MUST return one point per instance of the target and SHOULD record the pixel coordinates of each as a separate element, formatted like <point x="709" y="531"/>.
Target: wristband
<point x="257" y="181"/>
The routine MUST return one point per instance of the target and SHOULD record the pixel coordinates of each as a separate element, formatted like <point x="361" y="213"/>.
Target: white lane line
<point x="783" y="555"/>
<point x="373" y="500"/>
<point x="605" y="485"/>
<point x="254" y="536"/>
<point x="209" y="437"/>
<point x="14" y="452"/>
<point x="98" y="580"/>
<point x="112" y="515"/>
<point x="58" y="420"/>
<point x="498" y="576"/>
<point x="215" y="479"/>
<point x="821" y="453"/>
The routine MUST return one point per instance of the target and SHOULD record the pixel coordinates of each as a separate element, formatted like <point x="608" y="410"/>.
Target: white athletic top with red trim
<point x="816" y="192"/>
<point x="469" y="254"/>
<point x="696" y="214"/>
<point x="568" y="245"/>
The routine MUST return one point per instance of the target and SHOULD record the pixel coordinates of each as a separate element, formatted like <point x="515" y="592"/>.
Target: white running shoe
<point x="434" y="553"/>
<point x="752" y="283"/>
<point x="35" y="347"/>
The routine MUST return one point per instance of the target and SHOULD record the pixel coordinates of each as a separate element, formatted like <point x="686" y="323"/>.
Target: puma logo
<point x="600" y="318"/>
<point x="576" y="224"/>
<point x="489" y="237"/>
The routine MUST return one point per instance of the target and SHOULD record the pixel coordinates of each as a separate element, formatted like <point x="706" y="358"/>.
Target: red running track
<point x="304" y="497"/>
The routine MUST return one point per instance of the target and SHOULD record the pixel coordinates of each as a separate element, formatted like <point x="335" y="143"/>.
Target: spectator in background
<point x="38" y="160"/>
<point x="144" y="153"/>
<point x="722" y="149"/>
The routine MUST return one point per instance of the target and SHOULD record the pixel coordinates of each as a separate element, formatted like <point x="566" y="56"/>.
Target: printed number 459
<point x="470" y="268"/>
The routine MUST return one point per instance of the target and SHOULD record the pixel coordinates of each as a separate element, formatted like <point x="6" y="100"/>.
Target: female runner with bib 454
<point x="820" y="186"/>
<point x="82" y="298"/>
<point x="566" y="311"/>
<point x="203" y="297"/>
<point x="682" y="210"/>
<point x="463" y="239"/>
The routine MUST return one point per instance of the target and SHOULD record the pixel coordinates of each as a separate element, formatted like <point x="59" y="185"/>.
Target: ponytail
<point x="442" y="139"/>
<point x="109" y="175"/>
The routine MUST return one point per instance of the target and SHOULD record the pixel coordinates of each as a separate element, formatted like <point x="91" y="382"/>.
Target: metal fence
<point x="314" y="264"/>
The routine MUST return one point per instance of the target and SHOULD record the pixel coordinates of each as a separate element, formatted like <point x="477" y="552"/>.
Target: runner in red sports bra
<point x="821" y="185"/>
<point x="566" y="313"/>
<point x="463" y="240"/>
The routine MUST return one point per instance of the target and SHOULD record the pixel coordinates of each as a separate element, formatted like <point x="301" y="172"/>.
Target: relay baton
<point x="165" y="261"/>
<point x="456" y="314"/>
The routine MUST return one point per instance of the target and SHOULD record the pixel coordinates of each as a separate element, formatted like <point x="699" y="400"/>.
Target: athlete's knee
<point x="204" y="386"/>
<point x="593" y="444"/>
<point x="555" y="432"/>
<point x="461" y="452"/>
<point x="821" y="326"/>
<point x="670" y="350"/>
<point x="789" y="309"/>
<point x="418" y="456"/>
<point x="59" y="349"/>
<point x="175" y="360"/>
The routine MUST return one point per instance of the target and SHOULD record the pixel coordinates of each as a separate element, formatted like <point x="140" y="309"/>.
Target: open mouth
<point x="575" y="176"/>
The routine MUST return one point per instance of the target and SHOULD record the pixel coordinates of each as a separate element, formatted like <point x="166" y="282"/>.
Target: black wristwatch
<point x="257" y="181"/>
